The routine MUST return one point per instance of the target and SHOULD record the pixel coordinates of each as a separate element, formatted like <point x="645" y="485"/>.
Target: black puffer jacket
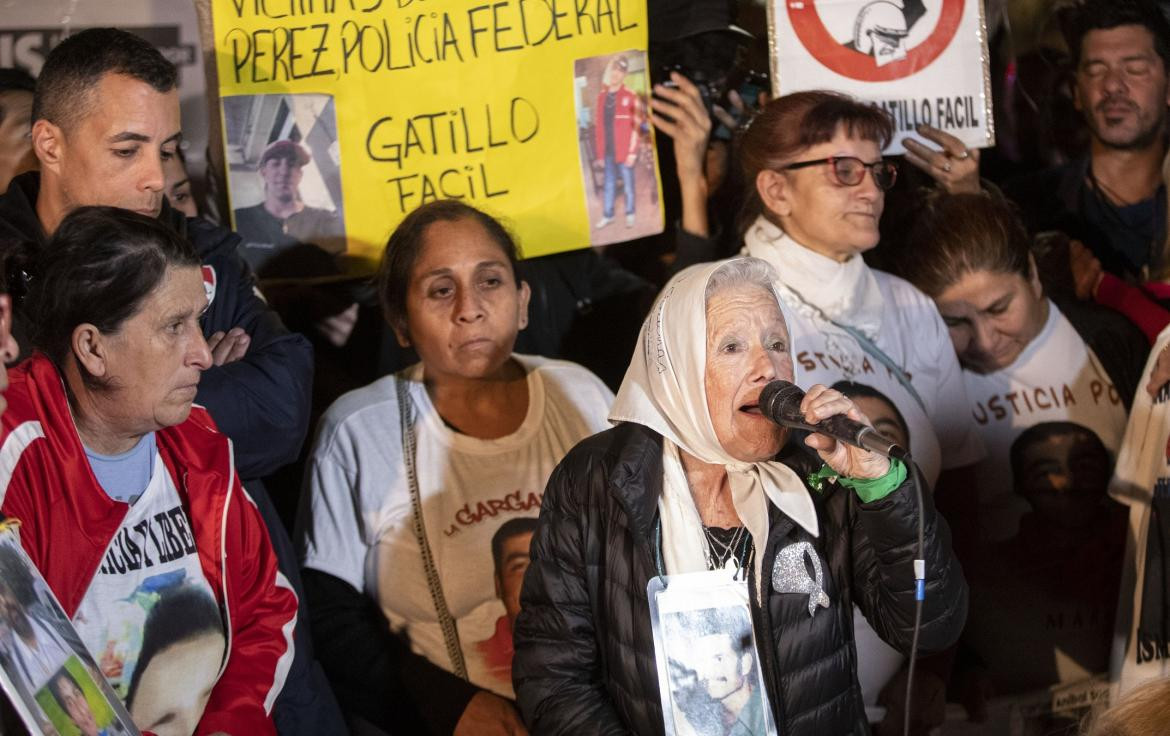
<point x="584" y="660"/>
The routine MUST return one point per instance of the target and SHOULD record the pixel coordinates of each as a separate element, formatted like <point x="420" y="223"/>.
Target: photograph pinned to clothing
<point x="619" y="164"/>
<point x="709" y="675"/>
<point x="46" y="672"/>
<point x="284" y="178"/>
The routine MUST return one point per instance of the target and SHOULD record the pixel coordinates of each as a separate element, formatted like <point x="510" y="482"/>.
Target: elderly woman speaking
<point x="689" y="479"/>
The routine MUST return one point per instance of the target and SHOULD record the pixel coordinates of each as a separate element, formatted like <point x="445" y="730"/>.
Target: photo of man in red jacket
<point x="616" y="117"/>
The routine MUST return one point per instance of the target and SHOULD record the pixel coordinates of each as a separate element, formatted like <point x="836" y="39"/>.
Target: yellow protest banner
<point x="342" y="116"/>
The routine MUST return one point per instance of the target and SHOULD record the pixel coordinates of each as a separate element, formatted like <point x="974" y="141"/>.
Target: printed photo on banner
<point x="923" y="61"/>
<point x="151" y="619"/>
<point x="284" y="178"/>
<point x="489" y="118"/>
<point x="618" y="159"/>
<point x="46" y="671"/>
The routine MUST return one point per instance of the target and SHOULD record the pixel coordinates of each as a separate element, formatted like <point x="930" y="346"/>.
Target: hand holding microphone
<point x="840" y="433"/>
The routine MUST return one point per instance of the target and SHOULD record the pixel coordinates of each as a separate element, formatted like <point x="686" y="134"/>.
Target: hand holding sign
<point x="955" y="167"/>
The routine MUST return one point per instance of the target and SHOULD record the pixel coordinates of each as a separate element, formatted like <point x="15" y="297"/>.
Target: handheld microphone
<point x="780" y="402"/>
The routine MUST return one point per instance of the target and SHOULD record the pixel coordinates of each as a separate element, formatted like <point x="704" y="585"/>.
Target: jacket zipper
<point x="762" y="621"/>
<point x="227" y="613"/>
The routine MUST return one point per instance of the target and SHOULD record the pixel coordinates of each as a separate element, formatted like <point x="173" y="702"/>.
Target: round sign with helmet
<point x="881" y="40"/>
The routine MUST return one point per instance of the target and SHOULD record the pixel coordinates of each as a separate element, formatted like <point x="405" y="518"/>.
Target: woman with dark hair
<point x="1030" y="364"/>
<point x="124" y="489"/>
<point x="411" y="476"/>
<point x="816" y="183"/>
<point x="1025" y="360"/>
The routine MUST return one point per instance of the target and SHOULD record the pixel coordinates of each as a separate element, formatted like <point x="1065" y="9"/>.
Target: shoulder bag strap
<point x="869" y="346"/>
<point x="446" y="620"/>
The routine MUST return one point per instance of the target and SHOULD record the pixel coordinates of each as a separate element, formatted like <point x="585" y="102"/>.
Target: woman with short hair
<point x="688" y="482"/>
<point x="125" y="490"/>
<point x="412" y="477"/>
<point x="815" y="190"/>
<point x="816" y="183"/>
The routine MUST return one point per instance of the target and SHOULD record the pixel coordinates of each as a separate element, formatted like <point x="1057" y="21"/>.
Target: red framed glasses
<point x="848" y="171"/>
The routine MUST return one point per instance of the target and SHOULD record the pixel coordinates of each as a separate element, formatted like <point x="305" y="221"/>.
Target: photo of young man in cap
<point x="283" y="219"/>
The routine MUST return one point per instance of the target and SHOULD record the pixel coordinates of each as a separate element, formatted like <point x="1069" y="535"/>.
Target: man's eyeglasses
<point x="850" y="170"/>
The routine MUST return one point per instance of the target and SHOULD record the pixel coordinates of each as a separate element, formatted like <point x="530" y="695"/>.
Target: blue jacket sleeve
<point x="262" y="401"/>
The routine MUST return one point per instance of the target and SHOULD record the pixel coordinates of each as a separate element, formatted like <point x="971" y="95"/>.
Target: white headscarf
<point x="664" y="390"/>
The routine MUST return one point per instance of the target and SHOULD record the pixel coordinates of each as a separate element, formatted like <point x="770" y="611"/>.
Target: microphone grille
<point x="781" y="400"/>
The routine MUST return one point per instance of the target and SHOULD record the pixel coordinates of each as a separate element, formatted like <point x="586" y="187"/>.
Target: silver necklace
<point x="719" y="552"/>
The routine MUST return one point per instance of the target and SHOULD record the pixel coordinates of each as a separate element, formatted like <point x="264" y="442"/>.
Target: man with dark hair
<point x="715" y="680"/>
<point x="1113" y="200"/>
<point x="510" y="557"/>
<point x="106" y="120"/>
<point x="510" y="560"/>
<point x="283" y="219"/>
<point x="1043" y="603"/>
<point x="16" y="99"/>
<point x="1062" y="470"/>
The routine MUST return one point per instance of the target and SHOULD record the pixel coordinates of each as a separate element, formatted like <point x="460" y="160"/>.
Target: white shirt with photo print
<point x="153" y="553"/>
<point x="469" y="488"/>
<point x="1056" y="378"/>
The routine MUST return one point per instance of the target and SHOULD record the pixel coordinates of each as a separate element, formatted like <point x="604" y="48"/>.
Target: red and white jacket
<point x="67" y="521"/>
<point x="626" y="117"/>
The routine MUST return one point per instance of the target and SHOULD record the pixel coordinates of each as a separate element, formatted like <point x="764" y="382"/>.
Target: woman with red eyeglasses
<point x="816" y="183"/>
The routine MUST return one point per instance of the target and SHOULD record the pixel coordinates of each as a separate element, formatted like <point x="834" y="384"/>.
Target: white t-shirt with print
<point x="469" y="488"/>
<point x="913" y="335"/>
<point x="152" y="555"/>
<point x="1056" y="378"/>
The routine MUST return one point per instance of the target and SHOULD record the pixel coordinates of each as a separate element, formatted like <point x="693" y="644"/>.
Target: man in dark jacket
<point x="1113" y="200"/>
<point x="106" y="117"/>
